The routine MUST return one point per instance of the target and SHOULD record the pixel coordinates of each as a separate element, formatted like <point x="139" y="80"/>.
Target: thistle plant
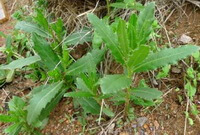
<point x="128" y="44"/>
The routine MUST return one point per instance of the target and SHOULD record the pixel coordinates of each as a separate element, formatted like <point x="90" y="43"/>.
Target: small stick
<point x="187" y="108"/>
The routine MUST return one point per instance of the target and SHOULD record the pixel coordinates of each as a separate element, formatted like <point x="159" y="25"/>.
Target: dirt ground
<point x="167" y="118"/>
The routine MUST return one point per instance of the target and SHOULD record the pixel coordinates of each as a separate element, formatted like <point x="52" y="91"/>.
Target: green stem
<point x="128" y="96"/>
<point x="127" y="102"/>
<point x="108" y="6"/>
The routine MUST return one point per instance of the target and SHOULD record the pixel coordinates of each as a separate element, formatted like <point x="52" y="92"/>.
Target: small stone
<point x="147" y="129"/>
<point x="111" y="128"/>
<point x="184" y="39"/>
<point x="145" y="126"/>
<point x="124" y="133"/>
<point x="155" y="82"/>
<point x="141" y="121"/>
<point x="176" y="70"/>
<point x="171" y="33"/>
<point x="134" y="126"/>
<point x="156" y="124"/>
<point x="142" y="132"/>
<point x="137" y="133"/>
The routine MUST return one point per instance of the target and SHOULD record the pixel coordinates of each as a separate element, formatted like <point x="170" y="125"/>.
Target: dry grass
<point x="73" y="12"/>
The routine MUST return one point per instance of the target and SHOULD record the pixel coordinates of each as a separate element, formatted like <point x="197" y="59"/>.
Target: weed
<point x="128" y="45"/>
<point x="17" y="116"/>
<point x="46" y="46"/>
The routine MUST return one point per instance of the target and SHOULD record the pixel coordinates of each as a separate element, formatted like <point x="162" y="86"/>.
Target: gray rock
<point x="184" y="39"/>
<point x="176" y="70"/>
<point x="111" y="128"/>
<point x="141" y="121"/>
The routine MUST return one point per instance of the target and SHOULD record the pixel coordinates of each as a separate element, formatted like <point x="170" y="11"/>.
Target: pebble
<point x="142" y="132"/>
<point x="184" y="39"/>
<point x="155" y="82"/>
<point x="124" y="133"/>
<point x="111" y="128"/>
<point x="141" y="121"/>
<point x="134" y="125"/>
<point x="176" y="70"/>
<point x="147" y="129"/>
<point x="156" y="124"/>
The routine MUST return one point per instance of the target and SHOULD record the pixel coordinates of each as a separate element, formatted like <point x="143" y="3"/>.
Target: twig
<point x="99" y="120"/>
<point x="195" y="2"/>
<point x="13" y="5"/>
<point x="187" y="108"/>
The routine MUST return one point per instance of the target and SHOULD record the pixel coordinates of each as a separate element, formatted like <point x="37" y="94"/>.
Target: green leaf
<point x="96" y="41"/>
<point x="108" y="112"/>
<point x="10" y="75"/>
<point x="164" y="72"/>
<point x="138" y="55"/>
<point x="50" y="106"/>
<point x="8" y="42"/>
<point x="123" y="37"/>
<point x="130" y="4"/>
<point x="41" y="20"/>
<point x="144" y="23"/>
<point x="89" y="105"/>
<point x="119" y="5"/>
<point x="59" y="29"/>
<point x="132" y="33"/>
<point x="32" y="28"/>
<point x="21" y="63"/>
<point x="142" y="102"/>
<point x="7" y="118"/>
<point x="146" y="93"/>
<point x="78" y="94"/>
<point x="40" y="100"/>
<point x="48" y="56"/>
<point x="86" y="63"/>
<point x="191" y="90"/>
<point x="81" y="85"/>
<point x="191" y="122"/>
<point x="38" y="89"/>
<point x="165" y="57"/>
<point x="114" y="83"/>
<point x="16" y="104"/>
<point x="107" y="35"/>
<point x="78" y="37"/>
<point x="14" y="129"/>
<point x="2" y="34"/>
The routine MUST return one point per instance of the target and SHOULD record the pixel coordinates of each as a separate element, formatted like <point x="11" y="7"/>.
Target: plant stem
<point x="127" y="102"/>
<point x="128" y="96"/>
<point x="108" y="6"/>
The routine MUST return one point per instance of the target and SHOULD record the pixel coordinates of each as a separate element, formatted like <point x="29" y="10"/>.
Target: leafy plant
<point x="127" y="4"/>
<point x="164" y="72"/>
<point x="44" y="49"/>
<point x="49" y="53"/>
<point x="128" y="45"/>
<point x="190" y="86"/>
<point x="17" y="116"/>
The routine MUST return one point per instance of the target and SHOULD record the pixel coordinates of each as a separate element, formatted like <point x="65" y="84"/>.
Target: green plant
<point x="164" y="72"/>
<point x="127" y="4"/>
<point x="190" y="86"/>
<point x="45" y="50"/>
<point x="49" y="53"/>
<point x="17" y="116"/>
<point x="128" y="45"/>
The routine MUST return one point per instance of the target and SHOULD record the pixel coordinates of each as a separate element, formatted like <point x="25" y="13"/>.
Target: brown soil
<point x="186" y="22"/>
<point x="167" y="118"/>
<point x="6" y="27"/>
